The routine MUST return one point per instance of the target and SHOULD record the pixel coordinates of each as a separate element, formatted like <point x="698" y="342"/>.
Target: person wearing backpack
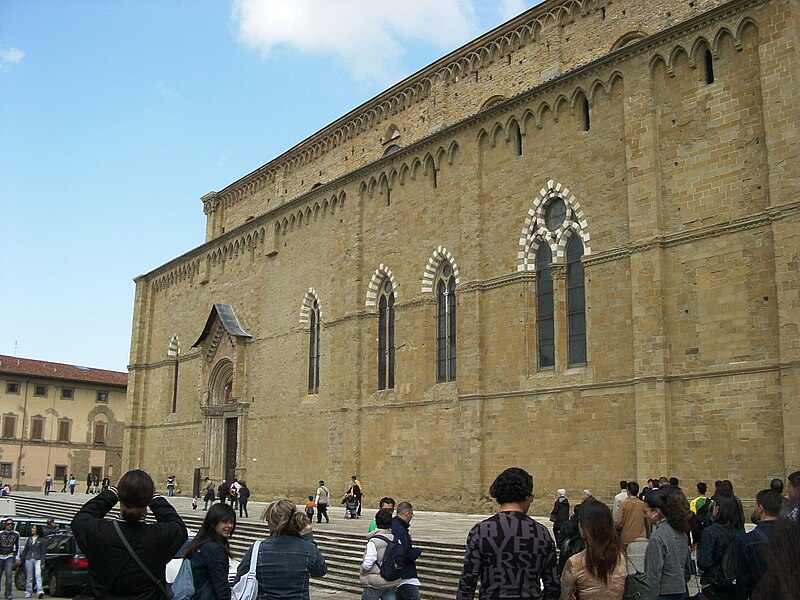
<point x="210" y="553"/>
<point x="380" y="559"/>
<point x="718" y="550"/>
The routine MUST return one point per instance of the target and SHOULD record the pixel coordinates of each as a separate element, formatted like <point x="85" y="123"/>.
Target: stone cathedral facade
<point x="570" y="245"/>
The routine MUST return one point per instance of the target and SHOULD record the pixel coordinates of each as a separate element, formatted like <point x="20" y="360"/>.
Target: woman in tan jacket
<point x="597" y="573"/>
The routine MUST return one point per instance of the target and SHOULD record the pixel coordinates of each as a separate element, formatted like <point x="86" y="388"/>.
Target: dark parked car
<point x="65" y="566"/>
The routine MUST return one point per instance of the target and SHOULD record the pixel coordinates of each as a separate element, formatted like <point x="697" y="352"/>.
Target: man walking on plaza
<point x="209" y="496"/>
<point x="409" y="582"/>
<point x="48" y="482"/>
<point x="9" y="548"/>
<point x="224" y="490"/>
<point x="244" y="497"/>
<point x="512" y="555"/>
<point x="322" y="501"/>
<point x="630" y="520"/>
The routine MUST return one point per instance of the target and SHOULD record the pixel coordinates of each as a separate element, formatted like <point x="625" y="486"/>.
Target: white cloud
<point x="164" y="89"/>
<point x="367" y="35"/>
<point x="12" y="55"/>
<point x="511" y="8"/>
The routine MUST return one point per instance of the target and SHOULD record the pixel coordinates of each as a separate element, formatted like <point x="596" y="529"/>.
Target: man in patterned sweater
<point x="9" y="548"/>
<point x="513" y="555"/>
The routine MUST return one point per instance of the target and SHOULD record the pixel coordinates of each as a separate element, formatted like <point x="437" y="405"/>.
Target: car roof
<point x="16" y="518"/>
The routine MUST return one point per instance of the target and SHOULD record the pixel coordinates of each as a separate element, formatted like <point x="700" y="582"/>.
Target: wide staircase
<point x="438" y="572"/>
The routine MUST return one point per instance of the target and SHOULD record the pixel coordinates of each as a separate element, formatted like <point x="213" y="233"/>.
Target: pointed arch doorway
<point x="223" y="346"/>
<point x="231" y="447"/>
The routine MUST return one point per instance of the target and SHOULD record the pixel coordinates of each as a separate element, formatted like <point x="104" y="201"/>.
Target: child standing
<point x="310" y="508"/>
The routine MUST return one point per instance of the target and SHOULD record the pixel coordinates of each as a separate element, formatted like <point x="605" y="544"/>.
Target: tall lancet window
<point x="313" y="349"/>
<point x="545" y="330"/>
<point x="446" y="324"/>
<point x="576" y="302"/>
<point x="386" y="336"/>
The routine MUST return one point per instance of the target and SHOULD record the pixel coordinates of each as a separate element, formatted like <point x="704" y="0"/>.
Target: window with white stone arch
<point x="556" y="233"/>
<point x="310" y="313"/>
<point x="441" y="277"/>
<point x="382" y="293"/>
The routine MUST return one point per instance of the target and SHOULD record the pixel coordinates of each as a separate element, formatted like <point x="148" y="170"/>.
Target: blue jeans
<point x="374" y="594"/>
<point x="33" y="571"/>
<point x="8" y="565"/>
<point x="671" y="596"/>
<point x="408" y="592"/>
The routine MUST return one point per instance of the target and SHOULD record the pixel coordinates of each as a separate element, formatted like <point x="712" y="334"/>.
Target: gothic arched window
<point x="446" y="324"/>
<point x="386" y="336"/>
<point x="313" y="348"/>
<point x="545" y="328"/>
<point x="576" y="303"/>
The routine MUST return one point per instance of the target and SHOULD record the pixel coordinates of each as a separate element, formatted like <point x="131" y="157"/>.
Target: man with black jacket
<point x="114" y="573"/>
<point x="409" y="582"/>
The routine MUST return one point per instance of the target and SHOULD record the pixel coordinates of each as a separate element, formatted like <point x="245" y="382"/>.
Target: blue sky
<point x="116" y="117"/>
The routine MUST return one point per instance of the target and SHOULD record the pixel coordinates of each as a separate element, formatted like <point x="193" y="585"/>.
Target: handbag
<point x="183" y="586"/>
<point x="247" y="587"/>
<point x="165" y="589"/>
<point x="638" y="587"/>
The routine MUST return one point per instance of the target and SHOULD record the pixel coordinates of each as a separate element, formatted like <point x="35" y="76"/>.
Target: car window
<point x="22" y="527"/>
<point x="57" y="544"/>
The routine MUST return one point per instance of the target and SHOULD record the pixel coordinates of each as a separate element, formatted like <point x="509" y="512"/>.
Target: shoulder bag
<point x="637" y="586"/>
<point x="247" y="587"/>
<point x="164" y="588"/>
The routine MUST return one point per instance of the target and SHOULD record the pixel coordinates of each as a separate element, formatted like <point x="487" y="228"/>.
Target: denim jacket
<point x="285" y="563"/>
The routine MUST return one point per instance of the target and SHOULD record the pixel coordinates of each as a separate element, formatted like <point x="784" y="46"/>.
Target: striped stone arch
<point x="535" y="230"/>
<point x="380" y="274"/>
<point x="308" y="304"/>
<point x="434" y="262"/>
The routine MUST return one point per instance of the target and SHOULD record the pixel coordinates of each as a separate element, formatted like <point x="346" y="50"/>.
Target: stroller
<point x="350" y="506"/>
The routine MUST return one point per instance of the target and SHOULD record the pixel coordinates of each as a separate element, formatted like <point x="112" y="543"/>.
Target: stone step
<point x="438" y="572"/>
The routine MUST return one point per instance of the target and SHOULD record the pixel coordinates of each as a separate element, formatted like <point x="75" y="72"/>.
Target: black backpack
<point x="394" y="559"/>
<point x="725" y="578"/>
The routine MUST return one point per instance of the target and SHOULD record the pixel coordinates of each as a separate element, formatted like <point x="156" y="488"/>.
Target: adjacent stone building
<point x="59" y="419"/>
<point x="571" y="245"/>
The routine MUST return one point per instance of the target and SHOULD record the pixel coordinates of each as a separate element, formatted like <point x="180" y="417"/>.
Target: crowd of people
<point x="643" y="539"/>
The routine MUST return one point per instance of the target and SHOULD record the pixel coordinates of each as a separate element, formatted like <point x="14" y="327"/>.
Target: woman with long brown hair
<point x="599" y="571"/>
<point x="210" y="553"/>
<point x="666" y="560"/>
